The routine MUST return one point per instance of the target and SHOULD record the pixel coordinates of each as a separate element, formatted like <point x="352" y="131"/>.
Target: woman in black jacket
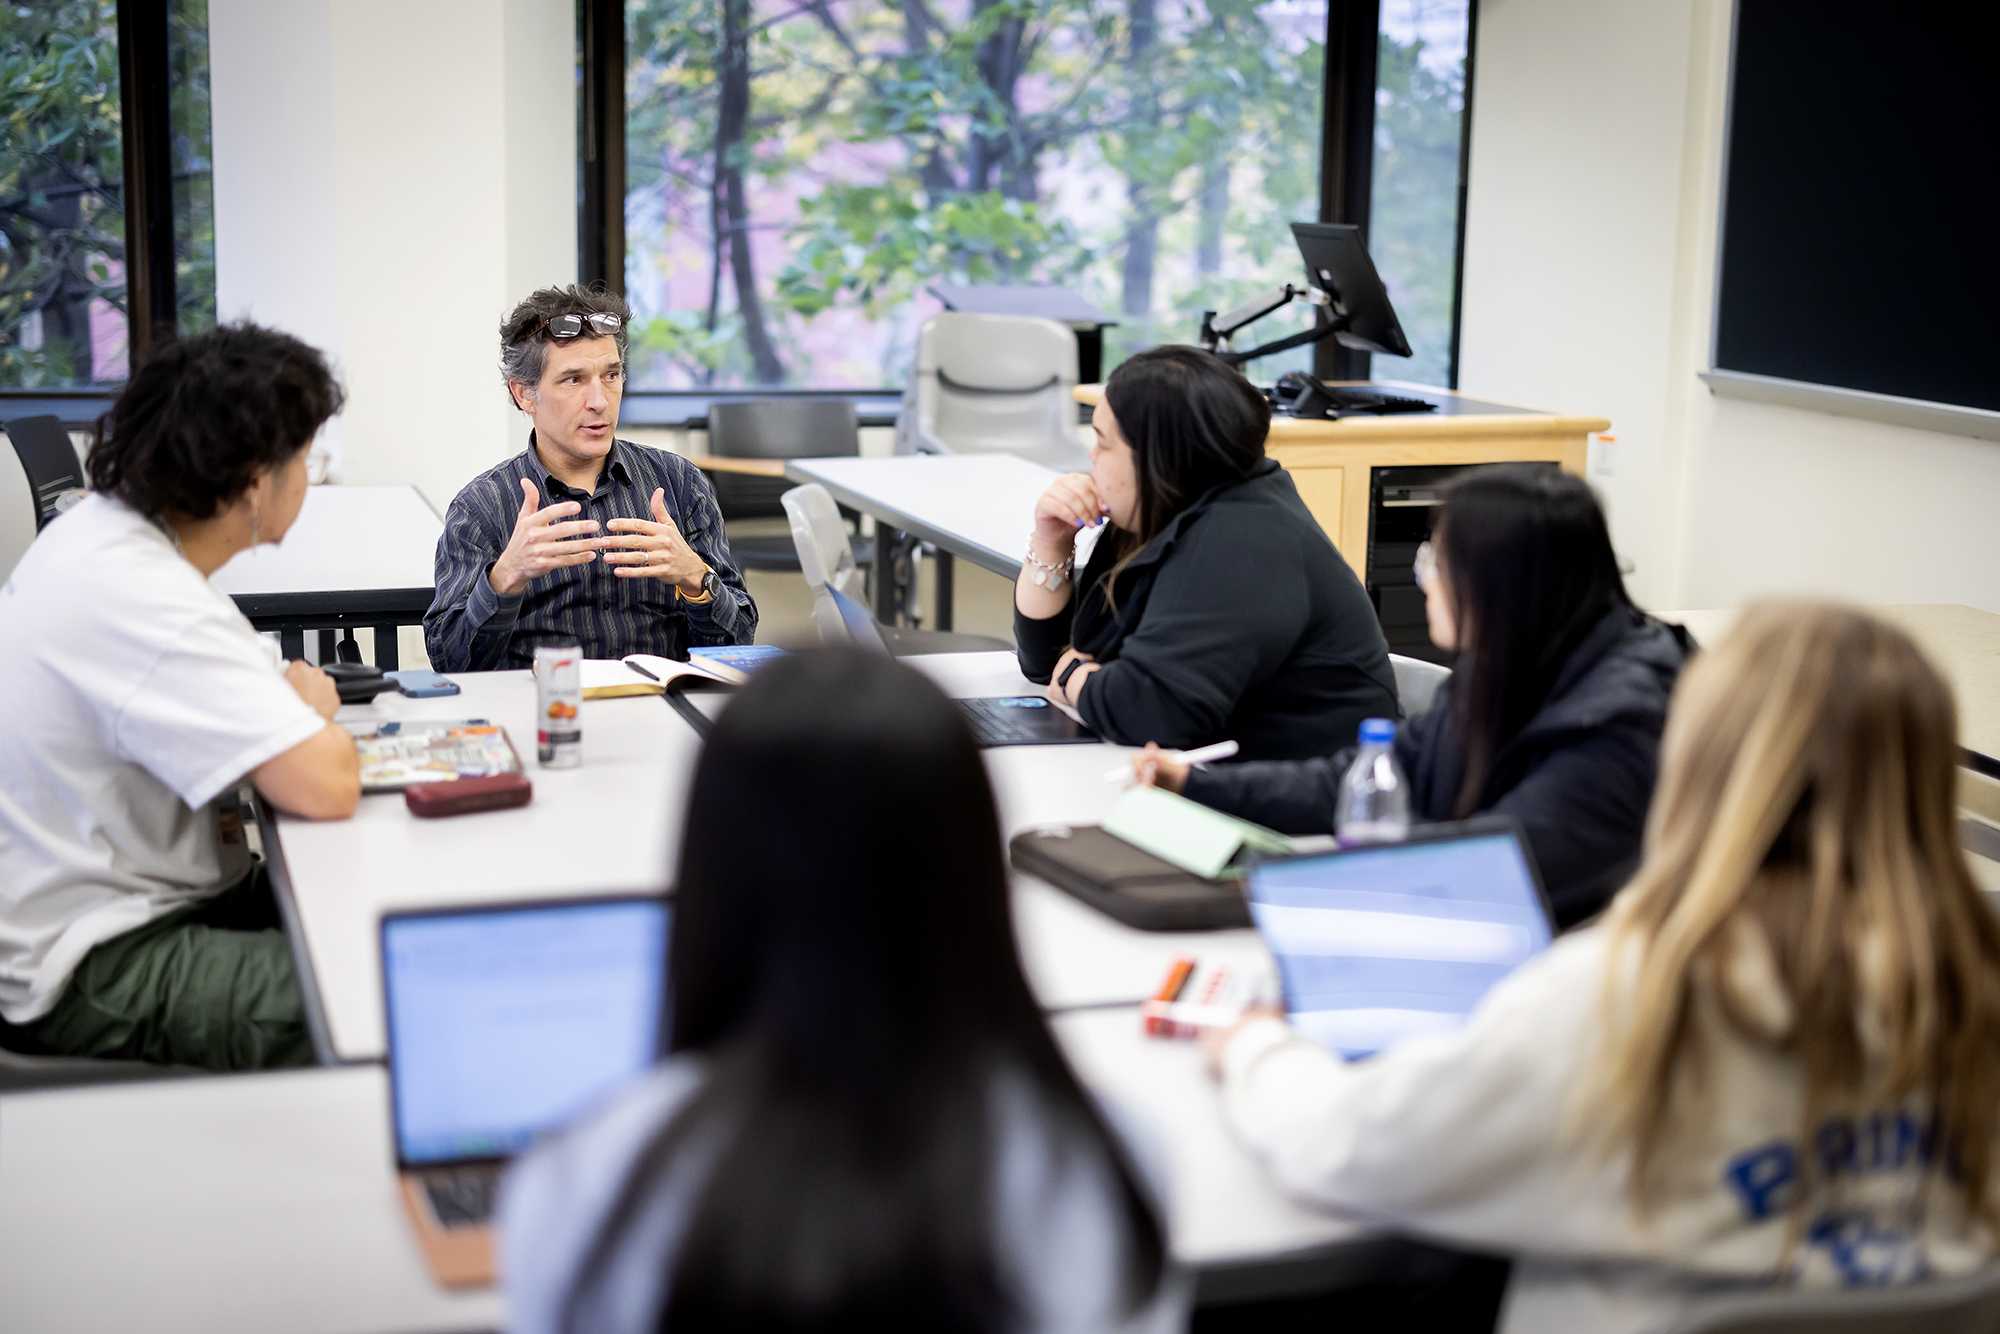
<point x="1213" y="606"/>
<point x="1554" y="714"/>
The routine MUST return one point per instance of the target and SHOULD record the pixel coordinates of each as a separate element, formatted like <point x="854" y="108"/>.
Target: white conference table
<point x="613" y="825"/>
<point x="976" y="506"/>
<point x="356" y="555"/>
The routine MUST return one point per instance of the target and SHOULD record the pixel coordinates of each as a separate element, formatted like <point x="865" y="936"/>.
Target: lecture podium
<point x="1332" y="462"/>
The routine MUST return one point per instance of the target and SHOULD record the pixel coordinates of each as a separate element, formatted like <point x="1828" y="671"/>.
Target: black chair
<point x="50" y="461"/>
<point x="26" y="1067"/>
<point x="776" y="428"/>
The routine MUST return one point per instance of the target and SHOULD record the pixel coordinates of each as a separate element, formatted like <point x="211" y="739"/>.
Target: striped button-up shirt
<point x="471" y="628"/>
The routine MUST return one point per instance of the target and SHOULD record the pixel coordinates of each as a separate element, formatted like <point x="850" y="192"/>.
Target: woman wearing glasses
<point x="1554" y="713"/>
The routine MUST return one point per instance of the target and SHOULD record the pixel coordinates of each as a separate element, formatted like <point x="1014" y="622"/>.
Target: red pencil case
<point x="465" y="795"/>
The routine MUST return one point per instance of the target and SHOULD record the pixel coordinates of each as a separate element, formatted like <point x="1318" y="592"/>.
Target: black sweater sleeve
<point x="1039" y="643"/>
<point x="1226" y="607"/>
<point x="1290" y="796"/>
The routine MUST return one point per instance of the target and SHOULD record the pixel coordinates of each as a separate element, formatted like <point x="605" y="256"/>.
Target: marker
<point x="1221" y="750"/>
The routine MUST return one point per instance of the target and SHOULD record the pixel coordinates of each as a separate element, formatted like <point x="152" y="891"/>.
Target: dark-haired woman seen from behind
<point x="1213" y="607"/>
<point x="862" y="1122"/>
<point x="1554" y="714"/>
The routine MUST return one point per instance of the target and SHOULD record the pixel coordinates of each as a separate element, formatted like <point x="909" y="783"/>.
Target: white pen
<point x="1221" y="750"/>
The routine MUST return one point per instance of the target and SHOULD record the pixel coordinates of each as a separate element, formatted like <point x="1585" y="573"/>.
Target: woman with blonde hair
<point x="1775" y="1060"/>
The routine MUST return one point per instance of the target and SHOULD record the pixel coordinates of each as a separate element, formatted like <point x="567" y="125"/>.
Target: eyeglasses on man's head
<point x="565" y="327"/>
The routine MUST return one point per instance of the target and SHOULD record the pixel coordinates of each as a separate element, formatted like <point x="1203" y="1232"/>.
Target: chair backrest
<point x="1941" y="1306"/>
<point x="774" y="428"/>
<point x="47" y="456"/>
<point x="994" y="384"/>
<point x="784" y="428"/>
<point x="1417" y="682"/>
<point x="820" y="535"/>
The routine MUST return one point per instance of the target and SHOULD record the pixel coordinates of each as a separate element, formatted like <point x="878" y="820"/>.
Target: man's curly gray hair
<point x="524" y="341"/>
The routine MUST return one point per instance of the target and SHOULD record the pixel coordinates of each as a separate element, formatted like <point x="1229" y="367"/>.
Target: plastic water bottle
<point x="1374" y="802"/>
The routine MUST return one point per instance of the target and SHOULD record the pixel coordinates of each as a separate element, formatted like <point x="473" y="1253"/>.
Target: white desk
<point x="244" y="1203"/>
<point x="979" y="506"/>
<point x="611" y="825"/>
<point x="268" y="1202"/>
<point x="356" y="555"/>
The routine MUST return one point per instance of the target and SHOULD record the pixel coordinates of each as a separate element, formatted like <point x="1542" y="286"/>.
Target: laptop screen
<point x="505" y="1022"/>
<point x="861" y="626"/>
<point x="1375" y="944"/>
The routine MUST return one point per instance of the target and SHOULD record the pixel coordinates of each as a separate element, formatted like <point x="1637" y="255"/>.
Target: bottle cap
<point x="1377" y="731"/>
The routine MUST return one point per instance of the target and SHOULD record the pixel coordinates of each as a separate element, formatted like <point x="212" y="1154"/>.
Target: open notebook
<point x="648" y="674"/>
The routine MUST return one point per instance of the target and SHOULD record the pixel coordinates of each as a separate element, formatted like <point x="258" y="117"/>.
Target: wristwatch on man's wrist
<point x="711" y="588"/>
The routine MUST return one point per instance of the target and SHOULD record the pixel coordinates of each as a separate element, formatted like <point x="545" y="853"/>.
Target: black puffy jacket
<point x="1578" y="777"/>
<point x="1239" y="621"/>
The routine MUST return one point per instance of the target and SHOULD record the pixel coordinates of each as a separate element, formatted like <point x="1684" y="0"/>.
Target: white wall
<point x="1591" y="229"/>
<point x="389" y="179"/>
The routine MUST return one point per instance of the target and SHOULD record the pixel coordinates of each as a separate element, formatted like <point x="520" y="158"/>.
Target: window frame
<point x="146" y="128"/>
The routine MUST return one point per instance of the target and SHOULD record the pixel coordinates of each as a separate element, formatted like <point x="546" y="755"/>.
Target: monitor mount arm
<point x="1217" y="330"/>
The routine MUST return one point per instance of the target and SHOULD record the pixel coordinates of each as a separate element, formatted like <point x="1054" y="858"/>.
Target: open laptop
<point x="1380" y="942"/>
<point x="504" y="1022"/>
<point x="1007" y="720"/>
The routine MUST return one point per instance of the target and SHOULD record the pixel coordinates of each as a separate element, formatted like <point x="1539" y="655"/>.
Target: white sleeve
<point x="1461" y="1135"/>
<point x="215" y="706"/>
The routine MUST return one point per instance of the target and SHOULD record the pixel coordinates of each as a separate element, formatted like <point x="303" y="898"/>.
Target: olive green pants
<point x="211" y="985"/>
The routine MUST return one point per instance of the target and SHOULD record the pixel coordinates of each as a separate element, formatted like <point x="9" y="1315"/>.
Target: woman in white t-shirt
<point x="1775" y="1060"/>
<point x="132" y="922"/>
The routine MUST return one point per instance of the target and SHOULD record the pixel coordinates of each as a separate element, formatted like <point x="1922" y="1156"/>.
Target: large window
<point x="1413" y="226"/>
<point x="798" y="176"/>
<point x="66" y="260"/>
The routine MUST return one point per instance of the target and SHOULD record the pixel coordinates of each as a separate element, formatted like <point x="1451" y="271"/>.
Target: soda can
<point x="558" y="705"/>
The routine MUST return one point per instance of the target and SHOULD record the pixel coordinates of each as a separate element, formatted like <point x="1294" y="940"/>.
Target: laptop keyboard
<point x="462" y="1198"/>
<point x="1003" y="722"/>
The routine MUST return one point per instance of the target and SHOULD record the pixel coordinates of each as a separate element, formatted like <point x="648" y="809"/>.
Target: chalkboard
<point x="1861" y="219"/>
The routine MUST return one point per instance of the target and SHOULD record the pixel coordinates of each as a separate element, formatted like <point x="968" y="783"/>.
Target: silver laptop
<point x="1004" y="720"/>
<point x="1380" y="942"/>
<point x="505" y="1022"/>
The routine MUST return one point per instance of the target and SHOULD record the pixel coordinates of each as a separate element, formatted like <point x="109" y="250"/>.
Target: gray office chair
<point x="820" y="538"/>
<point x="993" y="383"/>
<point x="55" y="474"/>
<point x="776" y="428"/>
<point x="1947" y="1306"/>
<point x="1417" y="682"/>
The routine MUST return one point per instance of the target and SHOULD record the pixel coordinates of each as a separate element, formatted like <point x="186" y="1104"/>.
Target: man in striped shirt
<point x="582" y="537"/>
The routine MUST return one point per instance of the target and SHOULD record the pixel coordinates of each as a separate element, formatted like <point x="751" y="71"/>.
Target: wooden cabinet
<point x="1331" y="461"/>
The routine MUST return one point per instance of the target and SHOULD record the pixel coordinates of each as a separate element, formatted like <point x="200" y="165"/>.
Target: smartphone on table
<point x="423" y="684"/>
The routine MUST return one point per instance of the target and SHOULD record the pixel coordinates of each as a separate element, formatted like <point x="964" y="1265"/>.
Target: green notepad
<point x="1198" y="840"/>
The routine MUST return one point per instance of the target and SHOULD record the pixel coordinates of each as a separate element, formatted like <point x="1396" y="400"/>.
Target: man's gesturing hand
<point x="654" y="550"/>
<point x="540" y="544"/>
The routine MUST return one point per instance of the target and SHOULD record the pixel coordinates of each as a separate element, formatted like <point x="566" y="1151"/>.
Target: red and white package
<point x="1195" y="995"/>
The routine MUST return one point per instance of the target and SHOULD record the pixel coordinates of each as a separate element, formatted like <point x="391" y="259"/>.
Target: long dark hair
<point x="843" y="957"/>
<point x="1528" y="558"/>
<point x="1193" y="423"/>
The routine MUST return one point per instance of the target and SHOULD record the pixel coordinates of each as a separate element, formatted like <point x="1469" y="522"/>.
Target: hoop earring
<point x="255" y="531"/>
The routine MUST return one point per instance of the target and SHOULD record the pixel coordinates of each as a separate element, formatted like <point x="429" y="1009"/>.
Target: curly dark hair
<point x="199" y="422"/>
<point x="524" y="347"/>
